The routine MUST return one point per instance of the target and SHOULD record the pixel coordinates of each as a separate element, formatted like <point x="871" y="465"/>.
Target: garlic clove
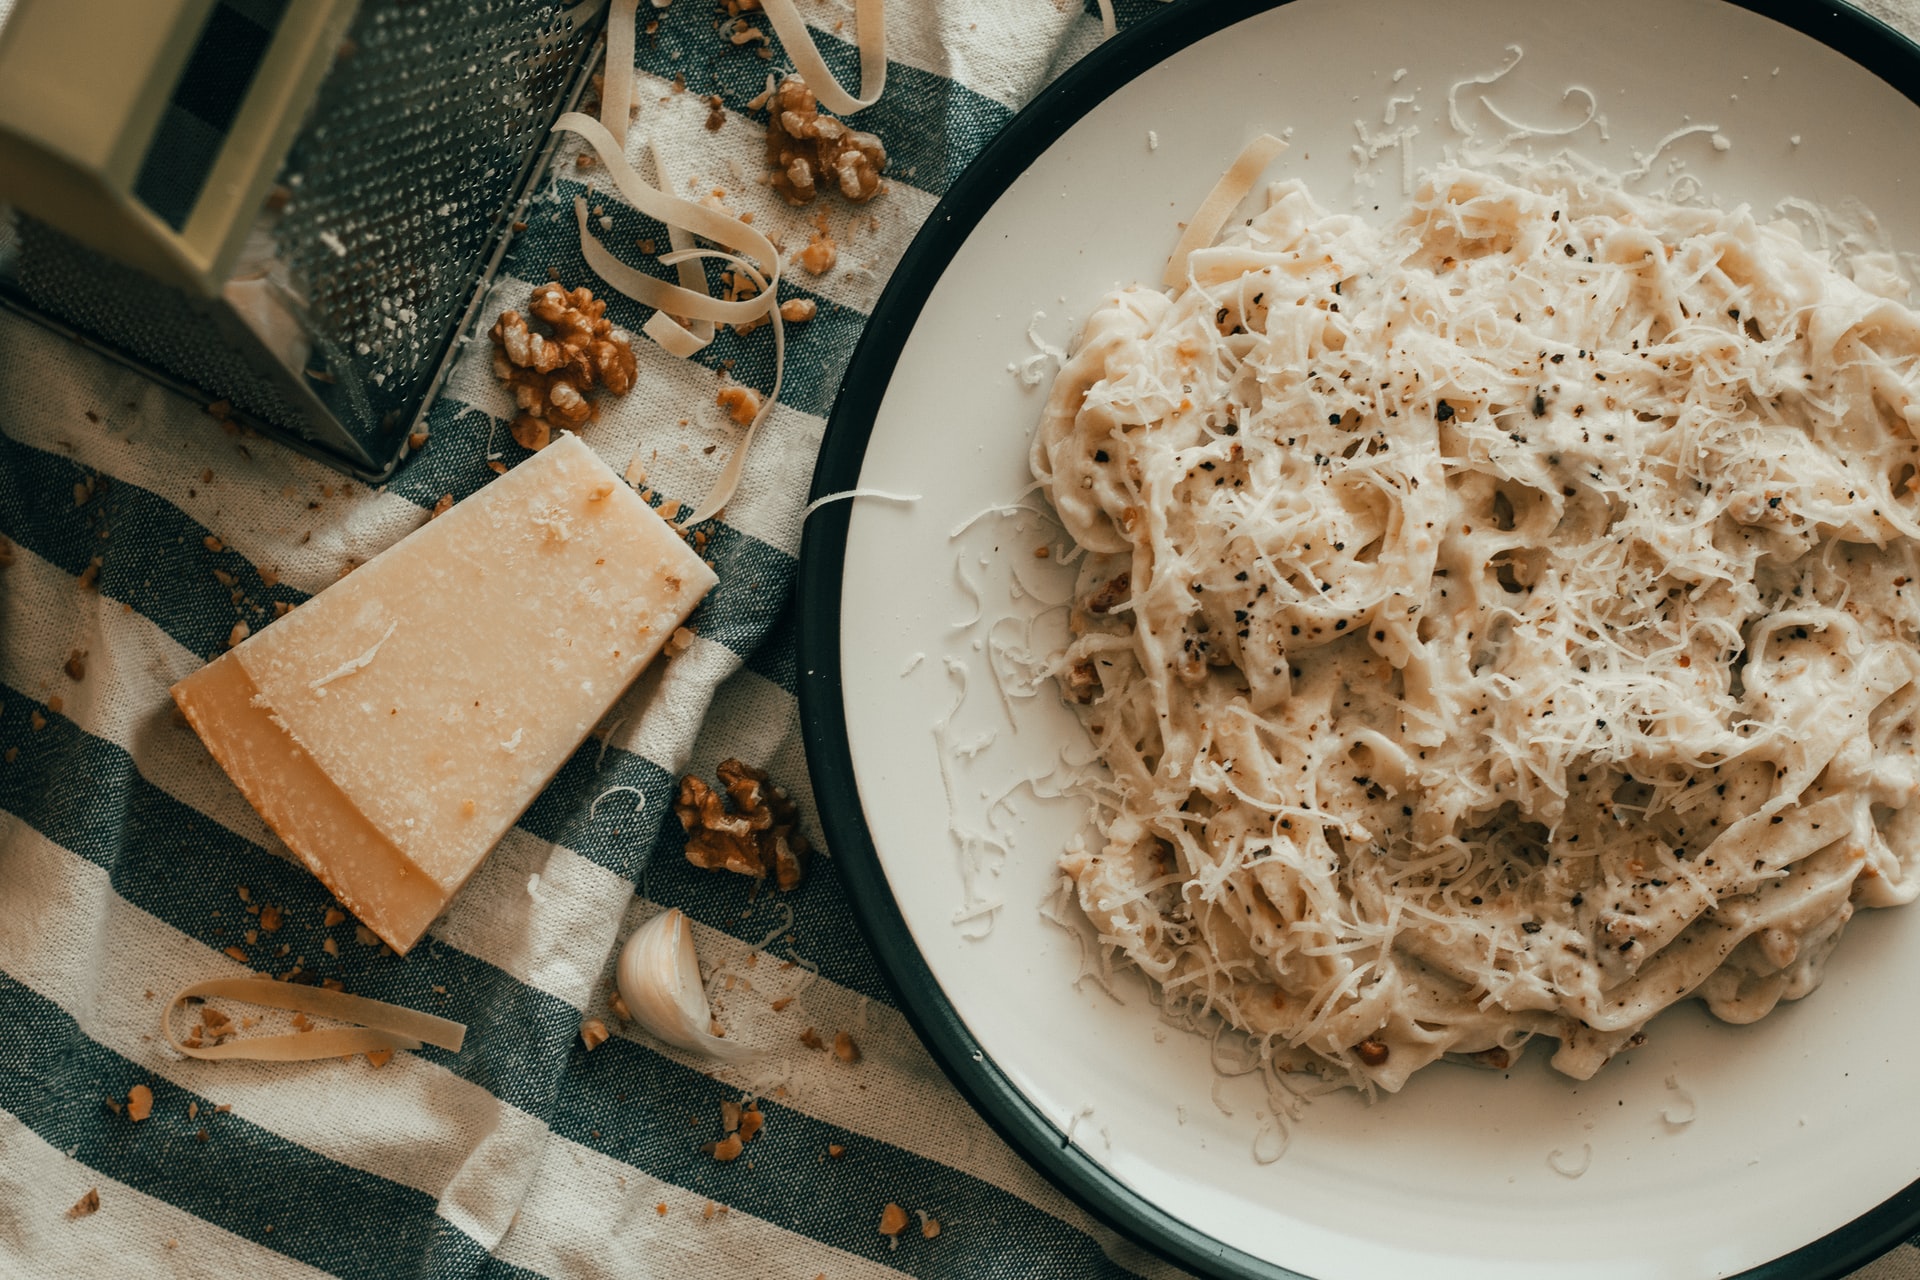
<point x="659" y="978"/>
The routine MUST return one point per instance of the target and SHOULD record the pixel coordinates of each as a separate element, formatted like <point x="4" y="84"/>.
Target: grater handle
<point x="96" y="95"/>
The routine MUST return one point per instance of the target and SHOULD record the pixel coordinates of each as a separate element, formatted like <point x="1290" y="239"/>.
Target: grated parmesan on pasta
<point x="1495" y="624"/>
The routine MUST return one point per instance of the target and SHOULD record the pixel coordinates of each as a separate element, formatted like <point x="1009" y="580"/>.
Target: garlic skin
<point x="659" y="978"/>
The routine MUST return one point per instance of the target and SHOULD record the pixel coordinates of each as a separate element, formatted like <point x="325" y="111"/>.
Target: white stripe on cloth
<point x="758" y="721"/>
<point x="662" y="729"/>
<point x="998" y="48"/>
<point x="70" y="938"/>
<point x="587" y="1216"/>
<point x="1901" y="1264"/>
<point x="131" y="1234"/>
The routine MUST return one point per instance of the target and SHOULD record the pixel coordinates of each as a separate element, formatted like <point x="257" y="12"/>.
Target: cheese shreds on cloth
<point x="133" y="868"/>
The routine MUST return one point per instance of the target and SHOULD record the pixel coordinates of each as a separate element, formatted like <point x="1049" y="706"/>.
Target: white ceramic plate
<point x="1801" y="1124"/>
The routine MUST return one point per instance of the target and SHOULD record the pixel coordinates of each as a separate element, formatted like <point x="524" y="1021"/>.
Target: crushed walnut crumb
<point x="821" y="252"/>
<point x="845" y="1049"/>
<point x="893" y="1220"/>
<point x="86" y="1205"/>
<point x="593" y="1033"/>
<point x="756" y="833"/>
<point x="139" y="1102"/>
<point x="551" y="373"/>
<point x="741" y="403"/>
<point x="808" y="149"/>
<point x="76" y="665"/>
<point x="811" y="1039"/>
<point x="440" y="508"/>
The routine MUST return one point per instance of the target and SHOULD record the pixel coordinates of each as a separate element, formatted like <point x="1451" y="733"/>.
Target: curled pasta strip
<point x="870" y="36"/>
<point x="382" y="1026"/>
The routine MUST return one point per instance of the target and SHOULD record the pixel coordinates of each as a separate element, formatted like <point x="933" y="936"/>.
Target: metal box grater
<point x="327" y="310"/>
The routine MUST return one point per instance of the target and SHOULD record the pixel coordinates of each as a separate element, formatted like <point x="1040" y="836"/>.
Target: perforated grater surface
<point x="390" y="214"/>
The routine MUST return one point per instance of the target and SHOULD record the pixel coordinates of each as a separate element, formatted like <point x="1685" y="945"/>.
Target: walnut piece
<point x="820" y="254"/>
<point x="86" y="1205"/>
<point x="726" y="1150"/>
<point x="893" y="1220"/>
<point x="741" y="403"/>
<point x="756" y="833"/>
<point x="551" y="373"/>
<point x="807" y="149"/>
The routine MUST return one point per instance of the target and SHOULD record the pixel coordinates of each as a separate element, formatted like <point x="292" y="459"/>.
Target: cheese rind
<point x="440" y="686"/>
<point x="363" y="869"/>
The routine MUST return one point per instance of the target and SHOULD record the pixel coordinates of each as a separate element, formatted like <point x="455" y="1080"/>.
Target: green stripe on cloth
<point x="157" y="558"/>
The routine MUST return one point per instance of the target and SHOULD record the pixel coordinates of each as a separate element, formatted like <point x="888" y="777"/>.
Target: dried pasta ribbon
<point x="870" y="37"/>
<point x="683" y="340"/>
<point x="616" y="74"/>
<point x="675" y="212"/>
<point x="722" y="490"/>
<point x="1214" y="210"/>
<point x="382" y="1025"/>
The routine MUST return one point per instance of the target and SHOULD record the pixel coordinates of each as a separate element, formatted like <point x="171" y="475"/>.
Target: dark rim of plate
<point x="1848" y="31"/>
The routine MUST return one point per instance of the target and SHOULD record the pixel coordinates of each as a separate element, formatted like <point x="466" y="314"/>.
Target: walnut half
<point x="757" y="833"/>
<point x="807" y="149"/>
<point x="550" y="374"/>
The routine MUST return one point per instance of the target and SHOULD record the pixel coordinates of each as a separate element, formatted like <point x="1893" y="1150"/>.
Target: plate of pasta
<point x="1361" y="661"/>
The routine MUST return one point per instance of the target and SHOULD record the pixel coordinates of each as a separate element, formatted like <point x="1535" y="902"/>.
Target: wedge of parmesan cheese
<point x="394" y="727"/>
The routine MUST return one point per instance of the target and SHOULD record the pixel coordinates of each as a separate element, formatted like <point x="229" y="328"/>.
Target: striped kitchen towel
<point x="129" y="865"/>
